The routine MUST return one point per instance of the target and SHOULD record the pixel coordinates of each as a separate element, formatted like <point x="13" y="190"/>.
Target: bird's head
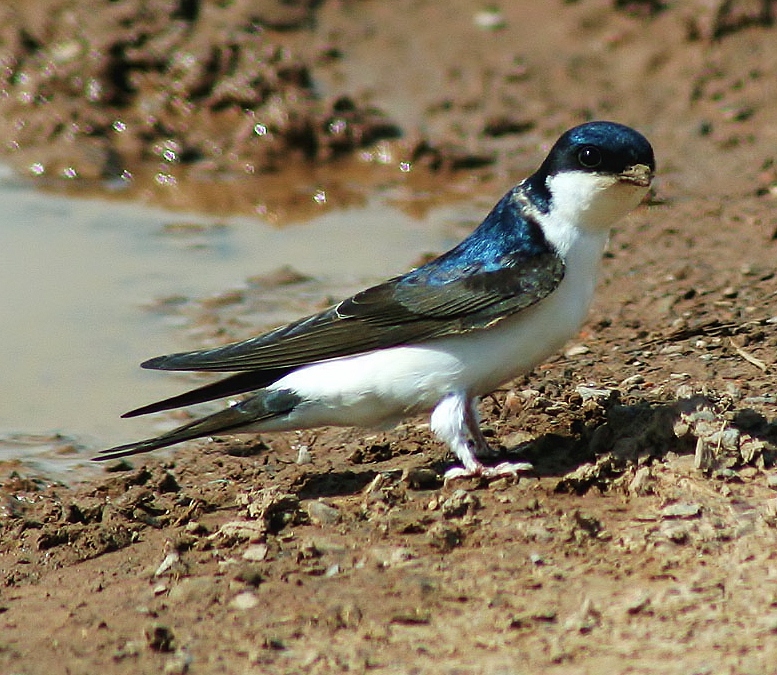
<point x="594" y="174"/>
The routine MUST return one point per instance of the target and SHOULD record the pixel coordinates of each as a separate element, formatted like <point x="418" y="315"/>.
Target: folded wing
<point x="404" y="310"/>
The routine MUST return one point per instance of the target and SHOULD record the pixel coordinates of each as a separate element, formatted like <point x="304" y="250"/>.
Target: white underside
<point x="380" y="388"/>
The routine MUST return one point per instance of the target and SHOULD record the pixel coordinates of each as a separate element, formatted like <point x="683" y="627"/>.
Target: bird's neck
<point x="569" y="239"/>
<point x="576" y="209"/>
<point x="563" y="225"/>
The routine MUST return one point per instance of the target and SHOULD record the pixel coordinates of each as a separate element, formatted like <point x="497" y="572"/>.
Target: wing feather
<point x="404" y="310"/>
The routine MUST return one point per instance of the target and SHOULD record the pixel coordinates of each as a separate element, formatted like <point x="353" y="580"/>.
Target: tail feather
<point x="239" y="383"/>
<point x="264" y="405"/>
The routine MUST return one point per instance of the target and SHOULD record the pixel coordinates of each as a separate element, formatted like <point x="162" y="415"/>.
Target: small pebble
<point x="681" y="510"/>
<point x="243" y="601"/>
<point x="195" y="527"/>
<point x="679" y="533"/>
<point x="193" y="590"/>
<point x="516" y="438"/>
<point x="672" y="349"/>
<point x="684" y="390"/>
<point x="681" y="427"/>
<point x="179" y="663"/>
<point x="728" y="439"/>
<point x="459" y="503"/>
<point x="513" y="403"/>
<point x="303" y="455"/>
<point x="323" y="514"/>
<point x="170" y="561"/>
<point x="256" y="553"/>
<point x="489" y="19"/>
<point x="576" y="350"/>
<point x="632" y="381"/>
<point x="704" y="455"/>
<point x="588" y="393"/>
<point x="251" y="530"/>
<point x="388" y="557"/>
<point x="443" y="536"/>
<point x="421" y="478"/>
<point x="641" y="484"/>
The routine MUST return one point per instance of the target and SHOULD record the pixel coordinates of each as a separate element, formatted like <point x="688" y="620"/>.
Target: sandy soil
<point x="645" y="541"/>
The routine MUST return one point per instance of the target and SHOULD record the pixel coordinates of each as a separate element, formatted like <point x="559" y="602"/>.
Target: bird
<point x="439" y="337"/>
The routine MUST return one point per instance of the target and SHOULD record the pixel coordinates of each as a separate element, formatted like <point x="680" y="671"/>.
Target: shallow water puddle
<point x="76" y="274"/>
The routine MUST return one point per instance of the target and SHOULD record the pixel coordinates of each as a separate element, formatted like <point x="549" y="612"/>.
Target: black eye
<point x="589" y="157"/>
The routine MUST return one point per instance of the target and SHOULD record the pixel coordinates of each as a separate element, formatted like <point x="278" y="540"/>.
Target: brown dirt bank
<point x="646" y="541"/>
<point x="163" y="99"/>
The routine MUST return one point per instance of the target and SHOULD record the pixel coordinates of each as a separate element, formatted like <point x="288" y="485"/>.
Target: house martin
<point x="441" y="336"/>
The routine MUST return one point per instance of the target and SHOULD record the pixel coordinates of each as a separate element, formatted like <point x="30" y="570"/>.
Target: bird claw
<point x="507" y="469"/>
<point x="488" y="472"/>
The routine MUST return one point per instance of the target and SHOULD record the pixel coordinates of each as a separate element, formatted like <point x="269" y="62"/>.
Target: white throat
<point x="585" y="205"/>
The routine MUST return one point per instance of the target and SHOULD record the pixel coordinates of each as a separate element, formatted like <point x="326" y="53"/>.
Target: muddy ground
<point x="646" y="539"/>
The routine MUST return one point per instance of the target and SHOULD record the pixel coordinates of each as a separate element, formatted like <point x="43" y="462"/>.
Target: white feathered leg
<point x="481" y="446"/>
<point x="449" y="424"/>
<point x="455" y="421"/>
